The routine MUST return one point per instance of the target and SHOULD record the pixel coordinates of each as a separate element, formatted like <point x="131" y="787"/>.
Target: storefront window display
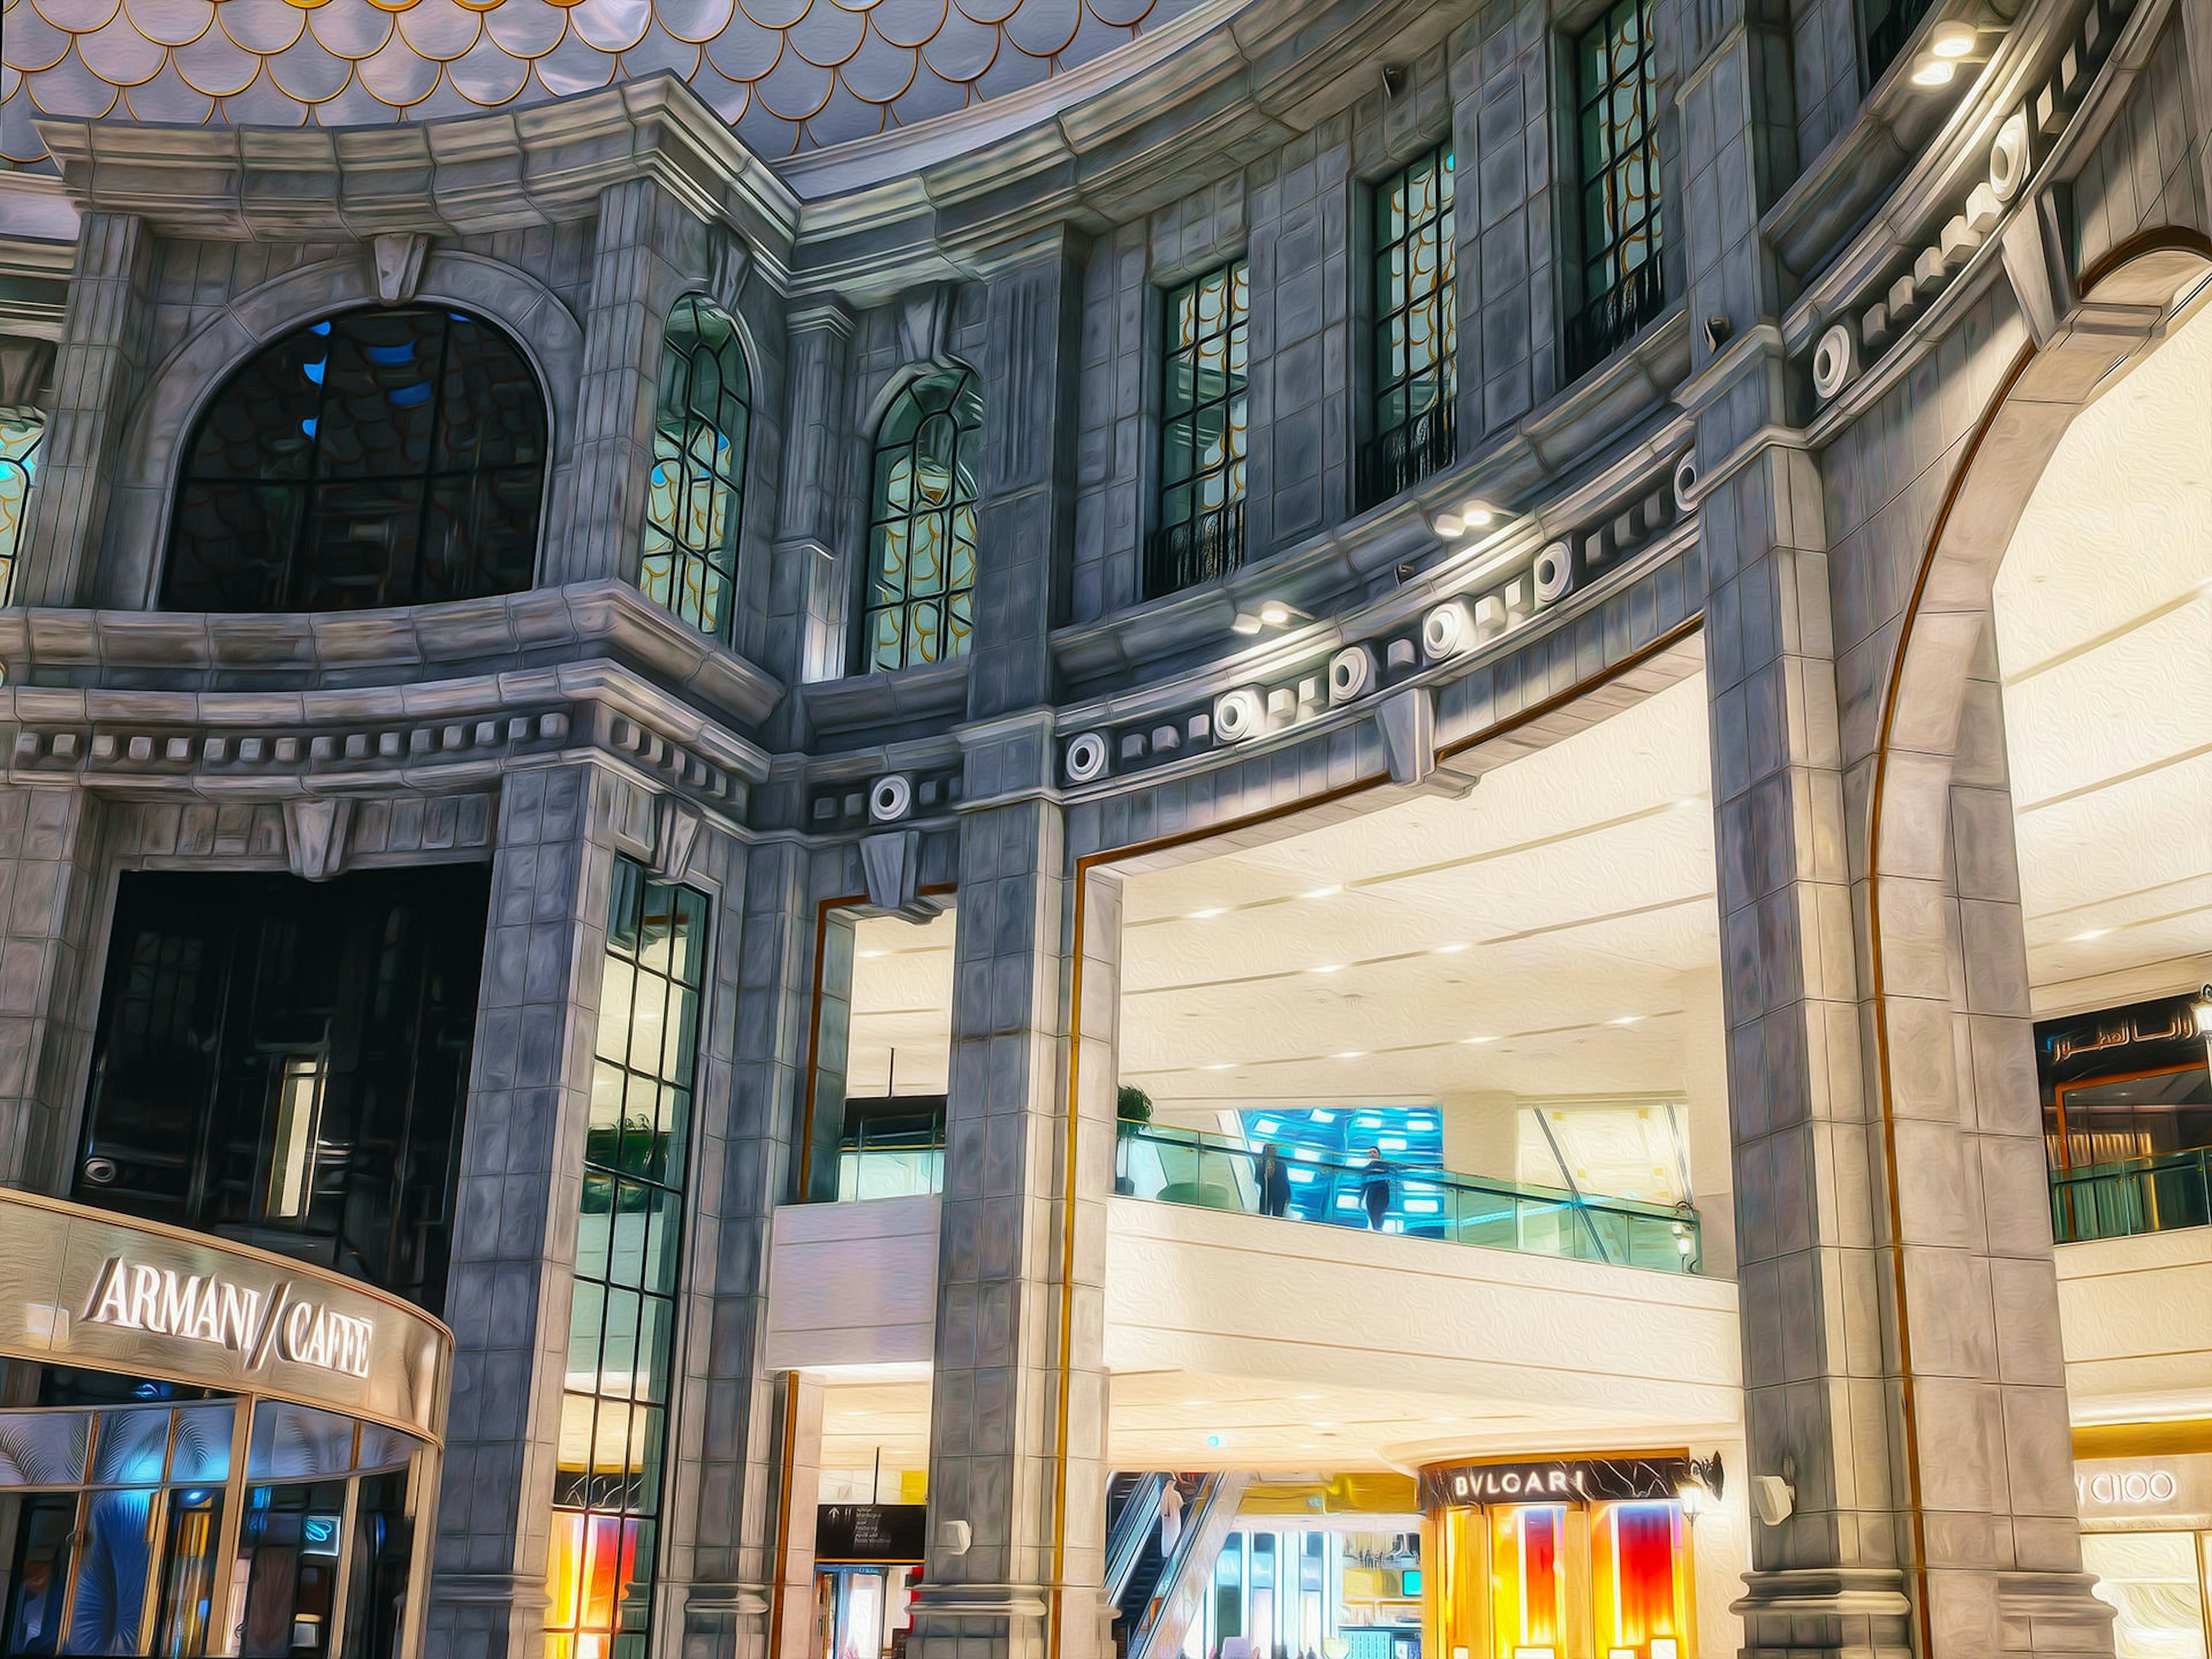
<point x="220" y="1453"/>
<point x="2146" y="1534"/>
<point x="1344" y="1590"/>
<point x="1560" y="1558"/>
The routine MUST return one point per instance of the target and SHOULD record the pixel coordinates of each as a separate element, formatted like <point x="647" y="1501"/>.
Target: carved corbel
<point x="892" y="864"/>
<point x="396" y="261"/>
<point x="315" y="836"/>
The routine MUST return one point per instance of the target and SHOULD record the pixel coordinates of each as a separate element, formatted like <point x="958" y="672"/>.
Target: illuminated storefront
<point x="177" y="1405"/>
<point x="2146" y="1534"/>
<point x="1561" y="1559"/>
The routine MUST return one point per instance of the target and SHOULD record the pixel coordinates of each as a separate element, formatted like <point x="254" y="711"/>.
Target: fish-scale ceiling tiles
<point x="790" y="74"/>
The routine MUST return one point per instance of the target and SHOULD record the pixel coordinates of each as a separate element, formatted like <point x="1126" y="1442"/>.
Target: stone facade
<point x="1810" y="517"/>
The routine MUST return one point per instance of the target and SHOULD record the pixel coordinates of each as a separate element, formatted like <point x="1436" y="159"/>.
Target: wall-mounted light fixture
<point x="1272" y="613"/>
<point x="2201" y="1010"/>
<point x="1453" y="522"/>
<point x="1702" y="1490"/>
<point x="1950" y="44"/>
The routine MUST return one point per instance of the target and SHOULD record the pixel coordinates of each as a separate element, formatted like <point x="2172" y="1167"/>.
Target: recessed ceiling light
<point x="1325" y="892"/>
<point x="1479" y="1039"/>
<point x="2089" y="934"/>
<point x="1208" y="914"/>
<point x="1353" y="1053"/>
<point x="1451" y="949"/>
<point x="1220" y="1066"/>
<point x="1625" y="1019"/>
<point x="875" y="953"/>
<point x="1328" y="968"/>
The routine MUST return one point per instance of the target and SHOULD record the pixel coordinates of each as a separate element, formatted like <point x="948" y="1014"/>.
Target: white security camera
<point x="1772" y="1498"/>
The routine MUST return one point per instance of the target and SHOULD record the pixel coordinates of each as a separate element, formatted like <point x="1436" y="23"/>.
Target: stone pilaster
<point x="1018" y="1408"/>
<point x="810" y="601"/>
<point x="49" y="966"/>
<point x="1026" y="521"/>
<point x="633" y="285"/>
<point x="97" y="372"/>
<point x="797" y="1635"/>
<point x="516" y="1209"/>
<point x="768" y="954"/>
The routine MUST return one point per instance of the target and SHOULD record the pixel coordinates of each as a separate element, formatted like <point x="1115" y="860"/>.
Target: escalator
<point x="1155" y="1592"/>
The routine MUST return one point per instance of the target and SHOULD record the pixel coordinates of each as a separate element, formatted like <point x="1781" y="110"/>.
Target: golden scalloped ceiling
<point x="789" y="74"/>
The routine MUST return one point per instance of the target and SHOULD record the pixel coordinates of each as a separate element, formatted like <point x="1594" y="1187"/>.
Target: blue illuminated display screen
<point x="1327" y="1145"/>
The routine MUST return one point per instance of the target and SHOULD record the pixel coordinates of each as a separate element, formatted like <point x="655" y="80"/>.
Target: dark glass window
<point x="382" y="458"/>
<point x="920" y="601"/>
<point x="690" y="565"/>
<point x="1621" y="288"/>
<point x="1889" y="25"/>
<point x="622" y="1313"/>
<point x="285" y="1063"/>
<point x="1416" y="328"/>
<point x="1204" y="432"/>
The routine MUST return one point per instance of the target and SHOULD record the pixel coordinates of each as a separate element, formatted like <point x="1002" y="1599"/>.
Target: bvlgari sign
<point x="1555" y="1480"/>
<point x="252" y="1324"/>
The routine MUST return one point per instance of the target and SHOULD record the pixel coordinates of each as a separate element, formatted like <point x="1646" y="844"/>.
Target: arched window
<point x="21" y="430"/>
<point x="381" y="458"/>
<point x="689" y="564"/>
<point x="920" y="602"/>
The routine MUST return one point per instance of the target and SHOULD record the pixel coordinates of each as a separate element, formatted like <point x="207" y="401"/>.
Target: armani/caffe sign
<point x="251" y="1323"/>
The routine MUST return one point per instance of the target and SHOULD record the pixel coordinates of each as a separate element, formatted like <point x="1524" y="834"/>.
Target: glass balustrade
<point x="1214" y="1172"/>
<point x="2135" y="1195"/>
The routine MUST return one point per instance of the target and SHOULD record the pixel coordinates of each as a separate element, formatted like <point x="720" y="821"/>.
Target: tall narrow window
<point x="920" y="603"/>
<point x="20" y="429"/>
<point x="689" y="563"/>
<point x="621" y="1319"/>
<point x="1416" y="328"/>
<point x="1203" y="432"/>
<point x="1621" y="288"/>
<point x="1889" y="25"/>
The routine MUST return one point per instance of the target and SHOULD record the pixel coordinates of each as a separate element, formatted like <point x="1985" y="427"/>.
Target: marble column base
<point x="979" y="1621"/>
<point x="485" y="1615"/>
<point x="1864" y="1613"/>
<point x="1850" y="1612"/>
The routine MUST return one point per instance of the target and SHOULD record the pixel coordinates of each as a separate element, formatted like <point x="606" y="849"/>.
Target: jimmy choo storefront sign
<point x="251" y="1322"/>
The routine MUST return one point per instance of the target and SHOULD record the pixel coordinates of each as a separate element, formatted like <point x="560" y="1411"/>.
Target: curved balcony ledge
<point x="179" y="651"/>
<point x="2136" y="1317"/>
<point x="1337" y="573"/>
<point x="869" y="702"/>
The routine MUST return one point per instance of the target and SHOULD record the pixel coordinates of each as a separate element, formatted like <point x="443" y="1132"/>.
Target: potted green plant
<point x="1132" y="1111"/>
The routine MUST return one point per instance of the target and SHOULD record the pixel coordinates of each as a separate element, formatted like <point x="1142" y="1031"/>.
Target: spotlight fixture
<point x="1932" y="71"/>
<point x="1274" y="613"/>
<point x="1955" y="38"/>
<point x="1246" y="622"/>
<point x="1453" y="522"/>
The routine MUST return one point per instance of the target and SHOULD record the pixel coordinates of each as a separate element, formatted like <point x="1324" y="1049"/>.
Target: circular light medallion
<point x="890" y="798"/>
<point x="1085" y="758"/>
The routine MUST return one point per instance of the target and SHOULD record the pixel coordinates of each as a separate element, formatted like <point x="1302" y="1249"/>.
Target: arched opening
<point x="385" y="457"/>
<point x="2040" y="889"/>
<point x="918" y="604"/>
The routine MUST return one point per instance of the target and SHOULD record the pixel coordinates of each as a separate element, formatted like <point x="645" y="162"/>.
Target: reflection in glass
<point x="382" y="458"/>
<point x="920" y="599"/>
<point x="1205" y="431"/>
<point x="622" y="1312"/>
<point x="107" y="1605"/>
<point x="22" y="431"/>
<point x="1416" y="326"/>
<point x="689" y="563"/>
<point x="1621" y="287"/>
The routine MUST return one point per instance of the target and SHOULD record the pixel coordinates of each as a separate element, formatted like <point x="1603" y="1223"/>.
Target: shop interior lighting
<point x="1324" y="892"/>
<point x="1625" y="1019"/>
<point x="1353" y="1053"/>
<point x="1451" y="949"/>
<point x="2089" y="934"/>
<point x="1208" y="914"/>
<point x="1328" y="968"/>
<point x="1477" y="1040"/>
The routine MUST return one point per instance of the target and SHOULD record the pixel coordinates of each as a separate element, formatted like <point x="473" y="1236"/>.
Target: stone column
<point x="1705" y="1108"/>
<point x="1931" y="1454"/>
<point x="1017" y="1409"/>
<point x="810" y="602"/>
<point x="516" y="1209"/>
<point x="633" y="285"/>
<point x="768" y="952"/>
<point x="1026" y="524"/>
<point x="97" y="372"/>
<point x="50" y="970"/>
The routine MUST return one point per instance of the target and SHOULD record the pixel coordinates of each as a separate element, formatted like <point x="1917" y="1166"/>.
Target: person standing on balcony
<point x="1273" y="1172"/>
<point x="1375" y="1188"/>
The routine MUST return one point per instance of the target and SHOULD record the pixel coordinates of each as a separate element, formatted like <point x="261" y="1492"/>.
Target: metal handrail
<point x="1132" y="1530"/>
<point x="2162" y="1193"/>
<point x="1488" y="1204"/>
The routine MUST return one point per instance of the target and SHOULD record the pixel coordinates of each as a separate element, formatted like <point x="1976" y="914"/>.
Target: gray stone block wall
<point x="2148" y="171"/>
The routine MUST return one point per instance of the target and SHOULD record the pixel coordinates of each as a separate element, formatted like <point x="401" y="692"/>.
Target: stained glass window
<point x="1622" y="289"/>
<point x="1416" y="326"/>
<point x="920" y="601"/>
<point x="622" y="1317"/>
<point x="689" y="563"/>
<point x="1204" y="431"/>
<point x="381" y="458"/>
<point x="21" y="430"/>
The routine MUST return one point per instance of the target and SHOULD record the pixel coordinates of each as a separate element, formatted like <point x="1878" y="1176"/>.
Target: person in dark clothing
<point x="1375" y="1188"/>
<point x="1273" y="1173"/>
